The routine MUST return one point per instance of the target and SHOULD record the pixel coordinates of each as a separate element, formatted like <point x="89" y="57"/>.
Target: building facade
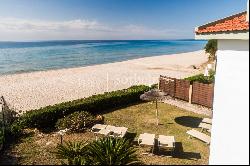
<point x="230" y="130"/>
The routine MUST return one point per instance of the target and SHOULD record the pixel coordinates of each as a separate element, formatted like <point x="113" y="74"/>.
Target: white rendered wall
<point x="230" y="130"/>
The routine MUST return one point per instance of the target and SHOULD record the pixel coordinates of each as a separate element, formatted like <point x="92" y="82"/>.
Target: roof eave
<point x="238" y="35"/>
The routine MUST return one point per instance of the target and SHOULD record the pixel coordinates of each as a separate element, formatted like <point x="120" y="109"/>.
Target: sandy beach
<point x="28" y="91"/>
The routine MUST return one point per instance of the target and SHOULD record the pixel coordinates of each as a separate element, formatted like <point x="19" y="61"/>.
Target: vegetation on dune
<point x="202" y="79"/>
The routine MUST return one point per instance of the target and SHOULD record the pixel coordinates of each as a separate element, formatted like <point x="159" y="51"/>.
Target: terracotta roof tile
<point x="236" y="22"/>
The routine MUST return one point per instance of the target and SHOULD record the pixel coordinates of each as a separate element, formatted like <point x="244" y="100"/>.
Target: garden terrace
<point x="37" y="147"/>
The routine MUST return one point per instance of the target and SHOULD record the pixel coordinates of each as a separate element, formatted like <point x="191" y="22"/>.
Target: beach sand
<point x="28" y="91"/>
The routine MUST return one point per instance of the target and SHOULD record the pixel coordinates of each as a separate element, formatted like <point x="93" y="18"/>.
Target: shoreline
<point x="79" y="67"/>
<point x="32" y="90"/>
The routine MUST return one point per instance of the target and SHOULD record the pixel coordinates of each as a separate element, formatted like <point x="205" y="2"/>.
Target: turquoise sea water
<point x="18" y="57"/>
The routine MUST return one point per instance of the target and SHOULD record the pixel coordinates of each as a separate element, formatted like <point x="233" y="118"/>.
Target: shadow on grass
<point x="188" y="121"/>
<point x="131" y="137"/>
<point x="120" y="107"/>
<point x="178" y="153"/>
<point x="7" y="156"/>
<point x="8" y="159"/>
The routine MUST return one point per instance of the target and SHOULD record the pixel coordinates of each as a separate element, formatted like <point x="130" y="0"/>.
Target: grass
<point x="37" y="148"/>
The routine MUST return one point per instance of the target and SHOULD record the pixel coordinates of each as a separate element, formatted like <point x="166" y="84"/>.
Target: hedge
<point x="46" y="117"/>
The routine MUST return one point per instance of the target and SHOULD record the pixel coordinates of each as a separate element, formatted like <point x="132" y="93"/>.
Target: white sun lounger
<point x="116" y="131"/>
<point x="166" y="142"/>
<point x="111" y="128"/>
<point x="120" y="131"/>
<point x="147" y="139"/>
<point x="201" y="136"/>
<point x="207" y="120"/>
<point x="97" y="127"/>
<point x="104" y="132"/>
<point x="205" y="126"/>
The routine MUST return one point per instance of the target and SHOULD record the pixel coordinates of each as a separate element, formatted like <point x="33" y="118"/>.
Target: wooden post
<point x="190" y="93"/>
<point x="159" y="83"/>
<point x="61" y="138"/>
<point x="157" y="120"/>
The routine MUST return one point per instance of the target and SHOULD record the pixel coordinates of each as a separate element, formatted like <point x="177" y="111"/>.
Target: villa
<point x="230" y="132"/>
<point x="99" y="93"/>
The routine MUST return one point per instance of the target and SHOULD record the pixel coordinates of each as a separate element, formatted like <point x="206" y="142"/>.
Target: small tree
<point x="211" y="48"/>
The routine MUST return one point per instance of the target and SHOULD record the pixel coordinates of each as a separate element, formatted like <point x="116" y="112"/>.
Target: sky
<point x="32" y="20"/>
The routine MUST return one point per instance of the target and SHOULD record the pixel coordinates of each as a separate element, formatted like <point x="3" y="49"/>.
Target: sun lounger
<point x="111" y="128"/>
<point x="119" y="132"/>
<point x="104" y="132"/>
<point x="205" y="126"/>
<point x="201" y="136"/>
<point x="166" y="142"/>
<point x="97" y="127"/>
<point x="147" y="139"/>
<point x="207" y="120"/>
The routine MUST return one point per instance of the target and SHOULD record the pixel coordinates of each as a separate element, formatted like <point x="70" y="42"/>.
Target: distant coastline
<point x="25" y="57"/>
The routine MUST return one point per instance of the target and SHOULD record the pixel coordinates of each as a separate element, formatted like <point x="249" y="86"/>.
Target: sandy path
<point x="34" y="90"/>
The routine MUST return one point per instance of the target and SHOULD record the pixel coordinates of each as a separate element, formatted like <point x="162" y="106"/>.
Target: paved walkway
<point x="187" y="106"/>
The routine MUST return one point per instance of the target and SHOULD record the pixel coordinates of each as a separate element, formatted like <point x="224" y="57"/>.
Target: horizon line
<point x="96" y="40"/>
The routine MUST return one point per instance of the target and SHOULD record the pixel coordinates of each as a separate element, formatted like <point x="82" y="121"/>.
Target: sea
<point x="20" y="57"/>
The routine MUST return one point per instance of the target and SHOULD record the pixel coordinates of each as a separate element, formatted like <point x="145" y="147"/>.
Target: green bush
<point x="1" y="137"/>
<point x="211" y="48"/>
<point x="112" y="151"/>
<point x="77" y="121"/>
<point x="73" y="152"/>
<point x="46" y="117"/>
<point x="154" y="86"/>
<point x="202" y="79"/>
<point x="104" y="151"/>
<point x="7" y="131"/>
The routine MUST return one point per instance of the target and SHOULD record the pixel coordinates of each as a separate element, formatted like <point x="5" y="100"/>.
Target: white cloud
<point x="24" y="29"/>
<point x="14" y="24"/>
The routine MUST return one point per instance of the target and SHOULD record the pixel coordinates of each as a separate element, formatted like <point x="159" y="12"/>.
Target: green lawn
<point x="37" y="148"/>
<point x="173" y="121"/>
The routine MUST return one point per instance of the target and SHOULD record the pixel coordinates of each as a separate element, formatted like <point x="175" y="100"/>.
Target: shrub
<point x="7" y="131"/>
<point x="154" y="86"/>
<point x="112" y="151"/>
<point x="1" y="138"/>
<point x="211" y="48"/>
<point x="202" y="79"/>
<point x="104" y="151"/>
<point x="77" y="121"/>
<point x="46" y="117"/>
<point x="73" y="152"/>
